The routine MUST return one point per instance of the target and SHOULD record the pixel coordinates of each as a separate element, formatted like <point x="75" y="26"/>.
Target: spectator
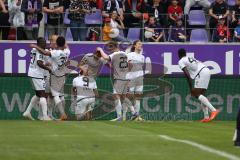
<point x="134" y="10"/>
<point x="4" y="16"/>
<point x="153" y="32"/>
<point x="16" y="17"/>
<point x="54" y="10"/>
<point x="235" y="14"/>
<point x="98" y="4"/>
<point x="157" y="10"/>
<point x="237" y="32"/>
<point x="77" y="11"/>
<point x="178" y="32"/>
<point x="32" y="10"/>
<point x="174" y="12"/>
<point x="107" y="30"/>
<point x="113" y="5"/>
<point x="116" y="23"/>
<point x="66" y="4"/>
<point x="222" y="33"/>
<point x="189" y="3"/>
<point x="218" y="10"/>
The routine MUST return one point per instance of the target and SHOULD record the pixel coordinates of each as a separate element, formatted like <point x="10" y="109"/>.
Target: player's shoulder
<point x="89" y="55"/>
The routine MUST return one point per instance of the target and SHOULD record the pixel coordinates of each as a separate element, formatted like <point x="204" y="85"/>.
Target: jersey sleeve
<point x="54" y="53"/>
<point x="181" y="64"/>
<point x="74" y="82"/>
<point x="112" y="55"/>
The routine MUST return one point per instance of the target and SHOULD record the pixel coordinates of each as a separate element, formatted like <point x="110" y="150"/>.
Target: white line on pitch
<point x="201" y="147"/>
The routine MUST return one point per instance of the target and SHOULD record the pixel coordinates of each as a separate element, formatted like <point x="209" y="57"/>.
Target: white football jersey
<point x="192" y="65"/>
<point x="137" y="61"/>
<point x="59" y="60"/>
<point x="85" y="86"/>
<point x="119" y="62"/>
<point x="47" y="59"/>
<point x="34" y="70"/>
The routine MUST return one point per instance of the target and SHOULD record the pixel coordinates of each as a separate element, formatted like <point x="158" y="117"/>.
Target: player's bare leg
<point x="199" y="94"/>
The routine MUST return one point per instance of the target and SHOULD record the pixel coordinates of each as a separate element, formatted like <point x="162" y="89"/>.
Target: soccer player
<point x="197" y="71"/>
<point x="84" y="91"/>
<point x="59" y="59"/>
<point x="36" y="73"/>
<point x="136" y="63"/>
<point x="119" y="61"/>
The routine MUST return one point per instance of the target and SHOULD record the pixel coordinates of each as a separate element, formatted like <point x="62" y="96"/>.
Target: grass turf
<point x="28" y="140"/>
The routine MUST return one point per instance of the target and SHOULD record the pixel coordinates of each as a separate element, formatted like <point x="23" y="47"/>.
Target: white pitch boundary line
<point x="201" y="147"/>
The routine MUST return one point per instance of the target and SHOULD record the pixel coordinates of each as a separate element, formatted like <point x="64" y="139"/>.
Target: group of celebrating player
<point x="48" y="68"/>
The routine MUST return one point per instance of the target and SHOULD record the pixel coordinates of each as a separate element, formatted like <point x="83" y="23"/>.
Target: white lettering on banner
<point x="229" y="63"/>
<point x="22" y="63"/>
<point x="230" y="100"/>
<point x="216" y="100"/>
<point x="213" y="66"/>
<point x="167" y="62"/>
<point x="8" y="61"/>
<point x="193" y="103"/>
<point x="176" y="97"/>
<point x="15" y="101"/>
<point x="193" y="106"/>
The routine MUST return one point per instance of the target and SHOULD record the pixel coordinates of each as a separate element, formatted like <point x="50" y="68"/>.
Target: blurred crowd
<point x="121" y="20"/>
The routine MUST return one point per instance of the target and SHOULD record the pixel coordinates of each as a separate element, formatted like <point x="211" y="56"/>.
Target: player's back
<point x="59" y="60"/>
<point x="137" y="61"/>
<point x="94" y="64"/>
<point x="85" y="86"/>
<point x="119" y="62"/>
<point x="34" y="70"/>
<point x="192" y="65"/>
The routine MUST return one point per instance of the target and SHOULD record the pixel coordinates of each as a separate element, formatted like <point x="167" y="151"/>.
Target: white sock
<point x="125" y="109"/>
<point x="58" y="103"/>
<point x="63" y="101"/>
<point x="206" y="102"/>
<point x="205" y="112"/>
<point x="32" y="103"/>
<point x="43" y="104"/>
<point x="130" y="106"/>
<point x="137" y="106"/>
<point x="40" y="113"/>
<point x="50" y="106"/>
<point x="118" y="106"/>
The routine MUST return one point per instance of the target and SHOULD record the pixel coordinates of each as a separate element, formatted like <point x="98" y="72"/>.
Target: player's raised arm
<point x="103" y="54"/>
<point x="41" y="50"/>
<point x="41" y="65"/>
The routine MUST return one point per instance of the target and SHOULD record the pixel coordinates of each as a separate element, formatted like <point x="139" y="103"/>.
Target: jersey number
<point x="62" y="61"/>
<point x="123" y="62"/>
<point x="86" y="80"/>
<point x="191" y="60"/>
<point x="33" y="58"/>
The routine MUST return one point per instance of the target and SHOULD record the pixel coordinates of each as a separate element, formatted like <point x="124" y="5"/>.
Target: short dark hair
<point x="112" y="45"/>
<point x="41" y="42"/>
<point x="61" y="41"/>
<point x="181" y="52"/>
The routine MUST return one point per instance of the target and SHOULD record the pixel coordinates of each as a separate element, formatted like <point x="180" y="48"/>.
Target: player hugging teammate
<point x="57" y="62"/>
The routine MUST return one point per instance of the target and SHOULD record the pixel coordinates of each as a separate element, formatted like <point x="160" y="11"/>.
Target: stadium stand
<point x="96" y="11"/>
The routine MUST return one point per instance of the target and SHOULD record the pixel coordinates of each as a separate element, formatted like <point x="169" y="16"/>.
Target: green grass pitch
<point x="102" y="140"/>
